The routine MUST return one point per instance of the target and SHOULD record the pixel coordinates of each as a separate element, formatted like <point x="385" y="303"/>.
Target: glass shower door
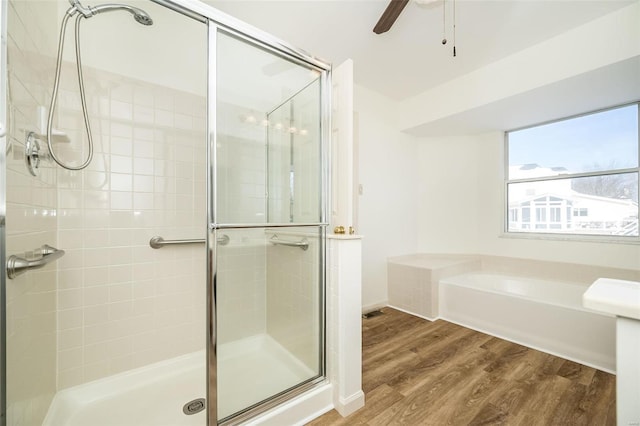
<point x="267" y="220"/>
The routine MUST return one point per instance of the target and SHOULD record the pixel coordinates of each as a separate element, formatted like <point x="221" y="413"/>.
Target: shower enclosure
<point x="180" y="277"/>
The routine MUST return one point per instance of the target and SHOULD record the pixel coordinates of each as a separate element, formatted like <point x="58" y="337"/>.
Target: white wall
<point x="388" y="215"/>
<point x="448" y="196"/>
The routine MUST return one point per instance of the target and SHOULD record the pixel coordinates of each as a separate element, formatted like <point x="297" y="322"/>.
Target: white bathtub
<point x="541" y="314"/>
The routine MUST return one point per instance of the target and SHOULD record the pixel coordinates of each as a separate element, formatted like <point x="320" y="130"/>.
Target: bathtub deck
<point x="418" y="372"/>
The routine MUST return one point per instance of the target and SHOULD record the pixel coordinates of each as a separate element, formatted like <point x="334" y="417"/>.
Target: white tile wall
<point x="298" y="135"/>
<point x="31" y="220"/>
<point x="241" y="265"/>
<point x="241" y="167"/>
<point x="306" y="154"/>
<point x="241" y="285"/>
<point x="279" y="154"/>
<point x="122" y="304"/>
<point x="263" y="288"/>
<point x="293" y="296"/>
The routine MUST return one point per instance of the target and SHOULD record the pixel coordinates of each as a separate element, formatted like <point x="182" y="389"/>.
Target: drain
<point x="372" y="314"/>
<point x="193" y="407"/>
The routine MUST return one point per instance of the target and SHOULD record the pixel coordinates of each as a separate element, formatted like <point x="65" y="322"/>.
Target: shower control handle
<point x="18" y="265"/>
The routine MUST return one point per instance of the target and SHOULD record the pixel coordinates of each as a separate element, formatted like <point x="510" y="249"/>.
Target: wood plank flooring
<point x="417" y="372"/>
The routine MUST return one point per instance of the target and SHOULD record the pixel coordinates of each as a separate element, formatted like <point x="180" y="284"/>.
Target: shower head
<point x="139" y="15"/>
<point x="143" y="18"/>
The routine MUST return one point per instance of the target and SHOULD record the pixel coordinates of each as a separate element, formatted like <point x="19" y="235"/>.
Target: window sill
<point x="605" y="239"/>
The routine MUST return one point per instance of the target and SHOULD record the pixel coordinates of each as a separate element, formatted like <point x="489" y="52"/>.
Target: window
<point x="581" y="212"/>
<point x="541" y="214"/>
<point x="576" y="176"/>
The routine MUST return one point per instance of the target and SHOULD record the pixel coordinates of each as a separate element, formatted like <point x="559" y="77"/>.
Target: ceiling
<point x="608" y="86"/>
<point x="410" y="58"/>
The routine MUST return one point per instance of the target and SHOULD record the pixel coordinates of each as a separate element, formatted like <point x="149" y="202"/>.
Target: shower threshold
<point x="154" y="395"/>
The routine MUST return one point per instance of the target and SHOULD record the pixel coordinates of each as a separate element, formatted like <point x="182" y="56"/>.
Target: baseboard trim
<point x="413" y="313"/>
<point x="373" y="307"/>
<point x="346" y="406"/>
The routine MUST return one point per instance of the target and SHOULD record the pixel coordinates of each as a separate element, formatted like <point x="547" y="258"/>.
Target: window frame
<point x="540" y="234"/>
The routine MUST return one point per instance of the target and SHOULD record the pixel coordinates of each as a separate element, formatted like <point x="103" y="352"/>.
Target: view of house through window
<point x="575" y="176"/>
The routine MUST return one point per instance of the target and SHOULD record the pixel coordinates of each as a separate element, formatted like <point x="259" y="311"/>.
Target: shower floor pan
<point x="155" y="395"/>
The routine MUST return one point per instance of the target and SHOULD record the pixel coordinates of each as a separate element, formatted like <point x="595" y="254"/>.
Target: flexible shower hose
<point x="54" y="97"/>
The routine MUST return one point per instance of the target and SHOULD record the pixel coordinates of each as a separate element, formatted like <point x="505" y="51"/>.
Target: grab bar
<point x="159" y="242"/>
<point x="303" y="244"/>
<point x="19" y="265"/>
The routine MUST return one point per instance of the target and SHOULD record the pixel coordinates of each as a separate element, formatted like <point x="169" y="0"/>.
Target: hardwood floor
<point x="417" y="372"/>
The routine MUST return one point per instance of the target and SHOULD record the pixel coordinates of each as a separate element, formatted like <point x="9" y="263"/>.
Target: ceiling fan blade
<point x="389" y="16"/>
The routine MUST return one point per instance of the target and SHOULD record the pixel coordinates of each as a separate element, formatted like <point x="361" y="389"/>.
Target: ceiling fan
<point x="393" y="10"/>
<point x="389" y="16"/>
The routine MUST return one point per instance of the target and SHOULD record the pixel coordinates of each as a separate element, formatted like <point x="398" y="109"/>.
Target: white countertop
<point x="617" y="297"/>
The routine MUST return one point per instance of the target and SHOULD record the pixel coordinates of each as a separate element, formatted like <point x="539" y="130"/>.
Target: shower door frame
<point x="216" y="28"/>
<point x="219" y="22"/>
<point x="3" y="211"/>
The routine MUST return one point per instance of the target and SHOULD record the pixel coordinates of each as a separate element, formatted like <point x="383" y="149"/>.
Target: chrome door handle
<point x="159" y="242"/>
<point x="18" y="265"/>
<point x="302" y="244"/>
